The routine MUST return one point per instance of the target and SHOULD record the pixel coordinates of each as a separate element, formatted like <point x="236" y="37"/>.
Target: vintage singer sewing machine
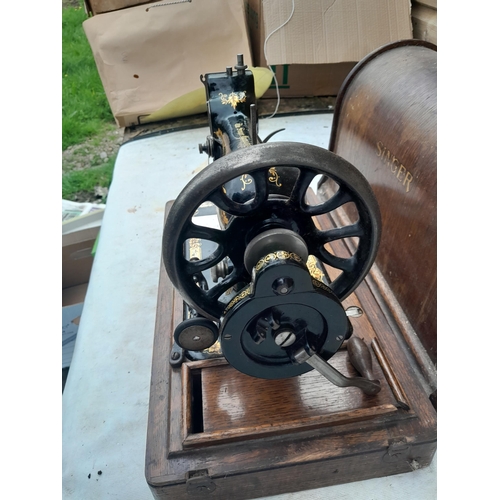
<point x="269" y="373"/>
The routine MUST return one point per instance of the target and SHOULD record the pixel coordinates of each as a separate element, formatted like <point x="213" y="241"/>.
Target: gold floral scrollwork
<point x="194" y="249"/>
<point x="234" y="98"/>
<point x="224" y="218"/>
<point x="245" y="293"/>
<point x="274" y="177"/>
<point x="245" y="179"/>
<point x="314" y="270"/>
<point x="214" y="349"/>
<point x="280" y="254"/>
<point x="242" y="134"/>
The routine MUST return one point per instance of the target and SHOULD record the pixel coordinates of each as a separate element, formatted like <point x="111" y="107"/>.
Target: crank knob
<point x="196" y="334"/>
<point x="360" y="357"/>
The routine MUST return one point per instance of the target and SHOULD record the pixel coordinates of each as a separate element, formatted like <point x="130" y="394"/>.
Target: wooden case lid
<point x="385" y="125"/>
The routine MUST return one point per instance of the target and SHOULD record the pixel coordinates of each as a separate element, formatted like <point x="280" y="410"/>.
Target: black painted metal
<point x="265" y="212"/>
<point x="259" y="191"/>
<point x="314" y="316"/>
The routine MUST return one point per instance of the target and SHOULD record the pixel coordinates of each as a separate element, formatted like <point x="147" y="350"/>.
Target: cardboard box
<point x="72" y="306"/>
<point x="307" y="80"/>
<point x="77" y="256"/>
<point x="315" y="50"/>
<point x="424" y="20"/>
<point x="79" y="236"/>
<point x="78" y="240"/>
<point x="147" y="59"/>
<point x="95" y="7"/>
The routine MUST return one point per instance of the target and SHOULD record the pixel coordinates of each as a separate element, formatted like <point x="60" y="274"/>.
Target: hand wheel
<point x="265" y="210"/>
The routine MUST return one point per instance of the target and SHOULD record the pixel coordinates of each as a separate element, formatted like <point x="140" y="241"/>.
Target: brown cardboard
<point x="77" y="256"/>
<point x="424" y="20"/>
<point x="302" y="71"/>
<point x="148" y="57"/>
<point x="72" y="307"/>
<point x="333" y="31"/>
<point x="306" y="80"/>
<point x="74" y="294"/>
<point x="101" y="6"/>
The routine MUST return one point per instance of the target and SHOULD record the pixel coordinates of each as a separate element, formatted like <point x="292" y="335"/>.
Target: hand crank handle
<point x="360" y="357"/>
<point x="367" y="386"/>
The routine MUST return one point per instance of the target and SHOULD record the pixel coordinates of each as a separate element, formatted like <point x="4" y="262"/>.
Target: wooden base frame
<point x="214" y="432"/>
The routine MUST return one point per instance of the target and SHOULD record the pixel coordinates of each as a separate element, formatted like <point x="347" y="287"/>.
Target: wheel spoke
<point x="219" y="199"/>
<point x="300" y="188"/>
<point x="196" y="266"/>
<point x="337" y="233"/>
<point x="204" y="233"/>
<point x="239" y="209"/>
<point x="346" y="265"/>
<point x="341" y="197"/>
<point x="229" y="281"/>
<point x="261" y="188"/>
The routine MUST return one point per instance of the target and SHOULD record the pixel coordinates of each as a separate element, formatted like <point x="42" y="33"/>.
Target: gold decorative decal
<point x="243" y="134"/>
<point x="274" y="177"/>
<point x="194" y="249"/>
<point x="319" y="284"/>
<point x="214" y="349"/>
<point x="245" y="293"/>
<point x="279" y="255"/>
<point x="234" y="98"/>
<point x="223" y="217"/>
<point x="314" y="270"/>
<point x="402" y="174"/>
<point x="246" y="179"/>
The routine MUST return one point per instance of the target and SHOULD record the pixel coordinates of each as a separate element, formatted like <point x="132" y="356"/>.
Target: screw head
<point x="285" y="338"/>
<point x="175" y="355"/>
<point x="282" y="286"/>
<point x="354" y="311"/>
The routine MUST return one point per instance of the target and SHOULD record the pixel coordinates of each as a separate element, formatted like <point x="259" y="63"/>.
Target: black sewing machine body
<point x="273" y="341"/>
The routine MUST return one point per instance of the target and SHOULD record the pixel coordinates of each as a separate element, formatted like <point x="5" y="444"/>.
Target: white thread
<point x="265" y="55"/>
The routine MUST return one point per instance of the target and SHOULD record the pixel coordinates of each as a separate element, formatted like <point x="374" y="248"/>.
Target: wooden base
<point x="215" y="432"/>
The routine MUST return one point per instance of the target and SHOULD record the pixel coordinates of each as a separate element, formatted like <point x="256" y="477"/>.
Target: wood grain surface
<point x="255" y="441"/>
<point x="385" y="125"/>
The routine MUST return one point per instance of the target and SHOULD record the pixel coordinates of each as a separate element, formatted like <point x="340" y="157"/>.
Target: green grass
<point x="85" y="109"/>
<point x="85" y="180"/>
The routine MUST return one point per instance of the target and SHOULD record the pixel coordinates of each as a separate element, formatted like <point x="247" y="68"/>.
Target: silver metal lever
<point x="367" y="386"/>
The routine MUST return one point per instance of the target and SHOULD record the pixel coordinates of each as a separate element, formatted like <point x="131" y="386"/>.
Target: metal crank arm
<point x="369" y="387"/>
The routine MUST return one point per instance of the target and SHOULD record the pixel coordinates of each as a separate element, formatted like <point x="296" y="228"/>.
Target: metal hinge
<point x="198" y="482"/>
<point x="398" y="450"/>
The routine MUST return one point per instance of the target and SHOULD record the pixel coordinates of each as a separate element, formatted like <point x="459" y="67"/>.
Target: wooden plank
<point x="158" y="418"/>
<point x="267" y="430"/>
<point x="293" y="399"/>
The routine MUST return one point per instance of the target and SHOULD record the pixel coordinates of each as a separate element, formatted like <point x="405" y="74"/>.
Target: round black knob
<point x="196" y="334"/>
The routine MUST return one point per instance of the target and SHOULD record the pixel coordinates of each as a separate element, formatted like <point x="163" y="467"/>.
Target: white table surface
<point x="105" y="402"/>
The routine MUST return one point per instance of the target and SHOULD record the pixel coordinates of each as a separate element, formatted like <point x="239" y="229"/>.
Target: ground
<point x="92" y="153"/>
<point x="95" y="151"/>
